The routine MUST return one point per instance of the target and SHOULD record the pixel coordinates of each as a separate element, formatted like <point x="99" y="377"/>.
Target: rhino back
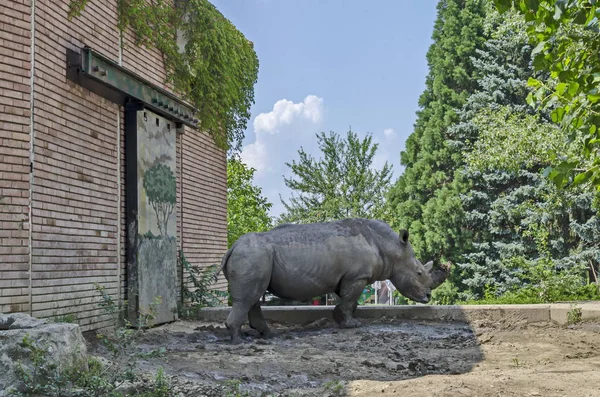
<point x="310" y="260"/>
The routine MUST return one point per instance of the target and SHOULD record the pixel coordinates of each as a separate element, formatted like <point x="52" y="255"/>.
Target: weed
<point x="44" y="377"/>
<point x="99" y="379"/>
<point x="235" y="390"/>
<point x="67" y="318"/>
<point x="574" y="315"/>
<point x="201" y="294"/>
<point x="517" y="363"/>
<point x="334" y="386"/>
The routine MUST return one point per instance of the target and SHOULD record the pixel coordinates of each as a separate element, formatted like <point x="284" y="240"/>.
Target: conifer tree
<point x="426" y="198"/>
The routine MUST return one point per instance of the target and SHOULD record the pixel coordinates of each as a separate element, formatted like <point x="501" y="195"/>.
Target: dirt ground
<point x="383" y="357"/>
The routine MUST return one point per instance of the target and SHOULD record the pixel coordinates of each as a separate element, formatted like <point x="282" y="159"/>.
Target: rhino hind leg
<point x="235" y="319"/>
<point x="248" y="281"/>
<point x="257" y="321"/>
<point x="343" y="313"/>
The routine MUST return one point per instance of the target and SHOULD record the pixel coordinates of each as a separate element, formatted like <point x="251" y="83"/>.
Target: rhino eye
<point x="419" y="273"/>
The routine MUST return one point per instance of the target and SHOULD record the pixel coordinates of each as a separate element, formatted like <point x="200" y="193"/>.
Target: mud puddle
<point x="311" y="360"/>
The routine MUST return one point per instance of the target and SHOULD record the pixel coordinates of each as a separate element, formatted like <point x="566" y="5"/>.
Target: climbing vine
<point x="215" y="70"/>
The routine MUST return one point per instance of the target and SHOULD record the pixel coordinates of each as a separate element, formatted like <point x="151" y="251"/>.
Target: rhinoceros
<point x="300" y="261"/>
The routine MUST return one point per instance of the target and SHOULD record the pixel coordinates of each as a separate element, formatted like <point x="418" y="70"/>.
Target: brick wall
<point x="204" y="201"/>
<point x="75" y="190"/>
<point x="78" y="191"/>
<point x="15" y="127"/>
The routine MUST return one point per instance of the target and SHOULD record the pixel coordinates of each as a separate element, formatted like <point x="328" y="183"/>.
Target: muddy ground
<point x="383" y="357"/>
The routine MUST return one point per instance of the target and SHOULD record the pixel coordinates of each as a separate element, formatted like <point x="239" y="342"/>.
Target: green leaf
<point x="547" y="171"/>
<point x="538" y="48"/>
<point x="582" y="178"/>
<point x="558" y="12"/>
<point x="581" y="17"/>
<point x="533" y="5"/>
<point x="530" y="100"/>
<point x="503" y="5"/>
<point x="539" y="93"/>
<point x="533" y="82"/>
<point x="593" y="97"/>
<point x="557" y="115"/>
<point x="561" y="88"/>
<point x="573" y="88"/>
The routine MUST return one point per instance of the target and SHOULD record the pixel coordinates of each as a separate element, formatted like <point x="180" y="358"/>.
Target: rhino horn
<point x="440" y="274"/>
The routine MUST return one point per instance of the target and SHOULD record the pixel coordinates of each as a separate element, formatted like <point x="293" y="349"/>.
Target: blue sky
<point x="328" y="65"/>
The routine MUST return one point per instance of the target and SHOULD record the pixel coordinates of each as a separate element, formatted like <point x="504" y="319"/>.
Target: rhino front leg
<point x="343" y="313"/>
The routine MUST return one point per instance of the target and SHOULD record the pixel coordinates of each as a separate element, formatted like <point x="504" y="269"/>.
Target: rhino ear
<point x="404" y="236"/>
<point x="429" y="266"/>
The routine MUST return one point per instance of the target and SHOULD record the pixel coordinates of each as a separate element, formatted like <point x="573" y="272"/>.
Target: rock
<point x="6" y="320"/>
<point x="126" y="388"/>
<point x="64" y="344"/>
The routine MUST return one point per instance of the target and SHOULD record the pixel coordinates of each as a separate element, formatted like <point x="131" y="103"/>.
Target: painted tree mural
<point x="161" y="190"/>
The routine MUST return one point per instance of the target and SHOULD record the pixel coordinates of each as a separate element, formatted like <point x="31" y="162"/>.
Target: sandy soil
<point x="383" y="357"/>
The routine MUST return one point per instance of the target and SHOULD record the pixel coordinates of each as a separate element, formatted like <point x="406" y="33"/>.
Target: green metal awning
<point x="106" y="78"/>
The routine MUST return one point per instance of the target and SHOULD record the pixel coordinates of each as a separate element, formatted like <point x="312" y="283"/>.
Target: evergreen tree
<point x="426" y="198"/>
<point x="516" y="218"/>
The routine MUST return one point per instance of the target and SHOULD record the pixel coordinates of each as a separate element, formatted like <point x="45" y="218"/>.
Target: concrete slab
<point x="557" y="312"/>
<point x="564" y="313"/>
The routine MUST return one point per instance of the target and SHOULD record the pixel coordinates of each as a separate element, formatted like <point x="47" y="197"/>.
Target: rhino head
<point x="413" y="279"/>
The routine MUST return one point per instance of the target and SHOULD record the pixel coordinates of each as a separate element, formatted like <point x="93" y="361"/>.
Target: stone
<point x="64" y="343"/>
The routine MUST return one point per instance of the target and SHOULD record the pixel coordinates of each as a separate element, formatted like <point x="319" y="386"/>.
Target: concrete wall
<point x="75" y="234"/>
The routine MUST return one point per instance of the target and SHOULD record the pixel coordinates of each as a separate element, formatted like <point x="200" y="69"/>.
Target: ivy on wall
<point x="212" y="66"/>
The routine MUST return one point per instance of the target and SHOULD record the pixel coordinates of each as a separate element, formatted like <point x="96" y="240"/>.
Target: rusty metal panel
<point x="117" y="84"/>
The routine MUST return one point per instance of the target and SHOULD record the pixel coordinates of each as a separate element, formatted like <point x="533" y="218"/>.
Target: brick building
<point x="68" y="163"/>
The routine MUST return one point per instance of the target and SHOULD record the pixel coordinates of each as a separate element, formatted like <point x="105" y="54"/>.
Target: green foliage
<point x="567" y="40"/>
<point x="160" y="388"/>
<point x="44" y="377"/>
<point x="67" y="318"/>
<point x="512" y="141"/>
<point x="335" y="387"/>
<point x="247" y="209"/>
<point x="341" y="184"/>
<point x="574" y="315"/>
<point x="161" y="189"/>
<point x="445" y="294"/>
<point x="505" y="146"/>
<point x="215" y="70"/>
<point x="100" y="379"/>
<point x="200" y="293"/>
<point x="426" y="198"/>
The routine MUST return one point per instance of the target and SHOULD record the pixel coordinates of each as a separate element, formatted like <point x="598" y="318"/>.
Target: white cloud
<point x="278" y="127"/>
<point x="389" y="133"/>
<point x="255" y="155"/>
<point x="278" y="135"/>
<point x="286" y="112"/>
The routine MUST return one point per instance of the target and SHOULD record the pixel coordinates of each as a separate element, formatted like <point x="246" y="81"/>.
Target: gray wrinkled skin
<point x="299" y="262"/>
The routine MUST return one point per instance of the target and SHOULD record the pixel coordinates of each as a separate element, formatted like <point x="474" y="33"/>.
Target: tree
<point x="426" y="198"/>
<point x="506" y="144"/>
<point x="161" y="189"/>
<point x="341" y="184"/>
<point x="566" y="37"/>
<point x="247" y="209"/>
<point x="530" y="236"/>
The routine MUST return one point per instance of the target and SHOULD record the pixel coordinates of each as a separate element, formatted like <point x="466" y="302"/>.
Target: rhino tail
<point x="223" y="264"/>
